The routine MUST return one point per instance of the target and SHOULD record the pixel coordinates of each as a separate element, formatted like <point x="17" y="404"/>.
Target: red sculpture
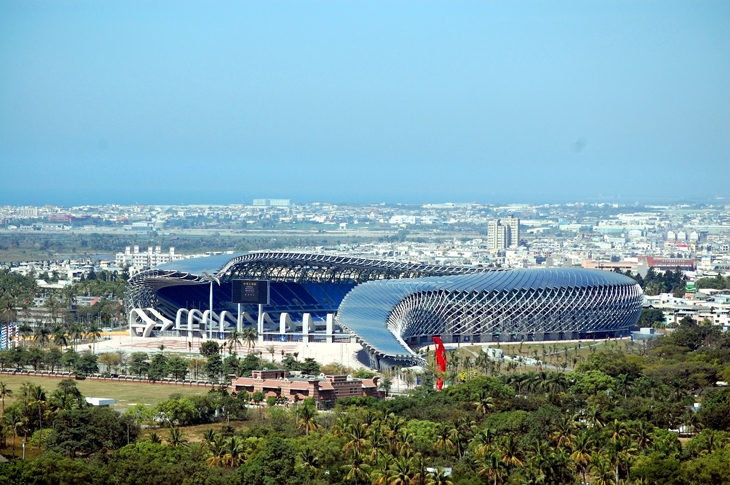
<point x="440" y="360"/>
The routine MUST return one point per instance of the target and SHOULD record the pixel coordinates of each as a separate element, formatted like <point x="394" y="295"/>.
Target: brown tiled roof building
<point x="325" y="390"/>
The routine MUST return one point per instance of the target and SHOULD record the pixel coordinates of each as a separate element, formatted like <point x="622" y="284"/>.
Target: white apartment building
<point x="503" y="233"/>
<point x="147" y="259"/>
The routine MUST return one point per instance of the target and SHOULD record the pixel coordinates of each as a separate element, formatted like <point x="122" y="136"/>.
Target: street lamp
<point x="210" y="313"/>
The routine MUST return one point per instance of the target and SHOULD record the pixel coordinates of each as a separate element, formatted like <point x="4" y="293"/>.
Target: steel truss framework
<point x="318" y="268"/>
<point x="529" y="304"/>
<point x="283" y="267"/>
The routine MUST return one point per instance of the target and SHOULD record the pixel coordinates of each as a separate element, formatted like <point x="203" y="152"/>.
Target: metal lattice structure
<point x="392" y="317"/>
<point x="319" y="268"/>
<point x="276" y="266"/>
<point x="394" y="307"/>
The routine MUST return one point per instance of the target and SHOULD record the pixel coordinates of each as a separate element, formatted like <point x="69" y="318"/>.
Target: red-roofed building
<point x="325" y="390"/>
<point x="668" y="263"/>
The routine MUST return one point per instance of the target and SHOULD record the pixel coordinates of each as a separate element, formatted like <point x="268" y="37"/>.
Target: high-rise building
<point x="513" y="223"/>
<point x="503" y="233"/>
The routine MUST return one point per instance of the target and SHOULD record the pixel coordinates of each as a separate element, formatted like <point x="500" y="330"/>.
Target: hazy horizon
<point x="410" y="102"/>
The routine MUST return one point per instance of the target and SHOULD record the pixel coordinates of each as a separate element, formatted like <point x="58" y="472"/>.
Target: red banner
<point x="440" y="361"/>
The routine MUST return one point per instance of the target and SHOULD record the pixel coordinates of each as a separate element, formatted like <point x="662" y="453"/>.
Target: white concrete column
<point x="282" y="323"/>
<point x="330" y="327"/>
<point x="306" y="327"/>
<point x="239" y="323"/>
<point x="261" y="323"/>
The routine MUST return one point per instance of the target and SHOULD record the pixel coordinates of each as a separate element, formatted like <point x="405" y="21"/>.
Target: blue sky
<point x="221" y="102"/>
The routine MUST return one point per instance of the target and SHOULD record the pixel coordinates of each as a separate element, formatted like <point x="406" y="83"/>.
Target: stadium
<point x="390" y="308"/>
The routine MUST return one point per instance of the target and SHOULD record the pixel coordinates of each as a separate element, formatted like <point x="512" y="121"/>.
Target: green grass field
<point x="125" y="393"/>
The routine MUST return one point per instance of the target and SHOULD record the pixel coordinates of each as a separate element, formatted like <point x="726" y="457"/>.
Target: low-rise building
<point x="325" y="390"/>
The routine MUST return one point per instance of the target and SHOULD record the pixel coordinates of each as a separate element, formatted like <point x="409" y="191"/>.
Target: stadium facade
<point x="391" y="308"/>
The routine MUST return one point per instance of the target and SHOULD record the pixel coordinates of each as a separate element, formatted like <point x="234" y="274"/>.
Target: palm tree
<point x="40" y="335"/>
<point x="234" y="452"/>
<point x="36" y="397"/>
<point x="642" y="434"/>
<point x="620" y="454"/>
<point x="444" y="442"/>
<point x="357" y="437"/>
<point x="401" y="472"/>
<point x="307" y="418"/>
<point x="77" y="333"/>
<point x="272" y="351"/>
<point x="53" y="306"/>
<point x="618" y="430"/>
<point x="378" y="440"/>
<point x="59" y="337"/>
<point x="356" y="468"/>
<point x="250" y="337"/>
<point x="176" y="438"/>
<point x="308" y="459"/>
<point x="93" y="333"/>
<point x="623" y="384"/>
<point x="484" y="403"/>
<point x="439" y="478"/>
<point x="593" y="417"/>
<point x="217" y="448"/>
<point x="483" y="440"/>
<point x="582" y="447"/>
<point x="563" y="434"/>
<point x="25" y="331"/>
<point x="601" y="471"/>
<point x="510" y="452"/>
<point x="4" y="391"/>
<point x="492" y="468"/>
<point x="15" y="420"/>
<point x="234" y="340"/>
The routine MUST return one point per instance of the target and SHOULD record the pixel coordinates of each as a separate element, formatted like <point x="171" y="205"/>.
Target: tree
<point x="176" y="438"/>
<point x="70" y="358"/>
<point x="87" y="364"/>
<point x="386" y="384"/>
<point x="214" y="367"/>
<point x="582" y="448"/>
<point x="274" y="465"/>
<point x="158" y="368"/>
<point x="4" y="392"/>
<point x="81" y="432"/>
<point x="25" y="331"/>
<point x="484" y="403"/>
<point x="231" y="365"/>
<point x="77" y="333"/>
<point x="178" y="367"/>
<point x="40" y="335"/>
<point x="15" y="420"/>
<point x="35" y="396"/>
<point x="650" y="317"/>
<point x="53" y="358"/>
<point x="110" y="360"/>
<point x="139" y="365"/>
<point x="444" y="442"/>
<point x="209" y="347"/>
<point x="93" y="333"/>
<point x="492" y="469"/>
<point x="309" y="366"/>
<point x="234" y="340"/>
<point x="35" y="357"/>
<point x="250" y="337"/>
<point x="308" y="417"/>
<point x="67" y="395"/>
